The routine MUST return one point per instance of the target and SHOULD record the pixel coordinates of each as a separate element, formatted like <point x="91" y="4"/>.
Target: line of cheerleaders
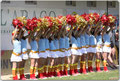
<point x="52" y="54"/>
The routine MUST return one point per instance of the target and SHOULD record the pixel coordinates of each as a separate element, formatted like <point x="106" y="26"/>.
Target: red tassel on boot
<point x="105" y="69"/>
<point x="15" y="77"/>
<point x="22" y="77"/>
<point x="84" y="71"/>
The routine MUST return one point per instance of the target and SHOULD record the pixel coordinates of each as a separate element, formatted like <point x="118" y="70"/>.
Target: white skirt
<point x="83" y="50"/>
<point x="92" y="50"/>
<point x="80" y="52"/>
<point x="67" y="53"/>
<point x="25" y="56"/>
<point x="54" y="54"/>
<point x="74" y="51"/>
<point x="106" y="49"/>
<point x="34" y="55"/>
<point x="43" y="55"/>
<point x="99" y="49"/>
<point x="61" y="54"/>
<point x="88" y="49"/>
<point x="48" y="53"/>
<point x="15" y="58"/>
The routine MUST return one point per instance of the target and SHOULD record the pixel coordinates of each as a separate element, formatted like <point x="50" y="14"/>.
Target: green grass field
<point x="111" y="75"/>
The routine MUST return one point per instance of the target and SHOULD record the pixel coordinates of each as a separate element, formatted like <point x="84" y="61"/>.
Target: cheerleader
<point x="34" y="56"/>
<point x="98" y="49"/>
<point x="62" y="51"/>
<point x="87" y="36"/>
<point x="84" y="53"/>
<point x="24" y="55"/>
<point x="67" y="53"/>
<point x="16" y="57"/>
<point x="56" y="43"/>
<point x="42" y="56"/>
<point x="47" y="52"/>
<point x="92" y="52"/>
<point x="78" y="54"/>
<point x="106" y="47"/>
<point x="53" y="55"/>
<point x="74" y="52"/>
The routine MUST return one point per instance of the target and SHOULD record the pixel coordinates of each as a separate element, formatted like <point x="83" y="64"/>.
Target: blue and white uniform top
<point x="74" y="42"/>
<point x="33" y="45"/>
<point x="99" y="39"/>
<point x="78" y="41"/>
<point x="62" y="43"/>
<point x="23" y="45"/>
<point x="82" y="40"/>
<point x="67" y="44"/>
<point x="47" y="43"/>
<point x="106" y="39"/>
<point x="17" y="46"/>
<point x="56" y="43"/>
<point x="92" y="40"/>
<point x="41" y="44"/>
<point x="87" y="39"/>
<point x="52" y="45"/>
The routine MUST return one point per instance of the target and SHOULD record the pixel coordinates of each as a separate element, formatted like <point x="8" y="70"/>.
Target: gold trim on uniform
<point x="93" y="46"/>
<point x="16" y="54"/>
<point x="83" y="46"/>
<point x="74" y="48"/>
<point x="42" y="51"/>
<point x="99" y="46"/>
<point x="34" y="51"/>
<point x="87" y="46"/>
<point x="79" y="47"/>
<point x="107" y="45"/>
<point x="47" y="49"/>
<point x="62" y="50"/>
<point x="24" y="52"/>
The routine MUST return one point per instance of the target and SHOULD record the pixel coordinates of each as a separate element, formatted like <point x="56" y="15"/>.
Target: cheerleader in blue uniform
<point x="84" y="53"/>
<point x="42" y="57"/>
<point x="24" y="54"/>
<point x="67" y="55"/>
<point x="62" y="52"/>
<point x="34" y="56"/>
<point x="16" y="56"/>
<point x="92" y="42"/>
<point x="58" y="53"/>
<point x="74" y="52"/>
<point x="106" y="47"/>
<point x="98" y="49"/>
<point x="53" y="55"/>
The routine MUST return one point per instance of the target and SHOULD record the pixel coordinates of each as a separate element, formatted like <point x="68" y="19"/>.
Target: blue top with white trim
<point x="23" y="45"/>
<point x="62" y="43"/>
<point x="41" y="44"/>
<point x="99" y="39"/>
<point x="17" y="46"/>
<point x="92" y="40"/>
<point x="56" y="42"/>
<point x="78" y="41"/>
<point x="52" y="45"/>
<point x="74" y="42"/>
<point x="106" y="39"/>
<point x="87" y="39"/>
<point x="67" y="44"/>
<point x="47" y="43"/>
<point x="82" y="40"/>
<point x="33" y="45"/>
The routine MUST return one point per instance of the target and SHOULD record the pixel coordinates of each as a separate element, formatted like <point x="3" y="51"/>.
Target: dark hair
<point x="50" y="39"/>
<point x="92" y="32"/>
<point x="23" y="38"/>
